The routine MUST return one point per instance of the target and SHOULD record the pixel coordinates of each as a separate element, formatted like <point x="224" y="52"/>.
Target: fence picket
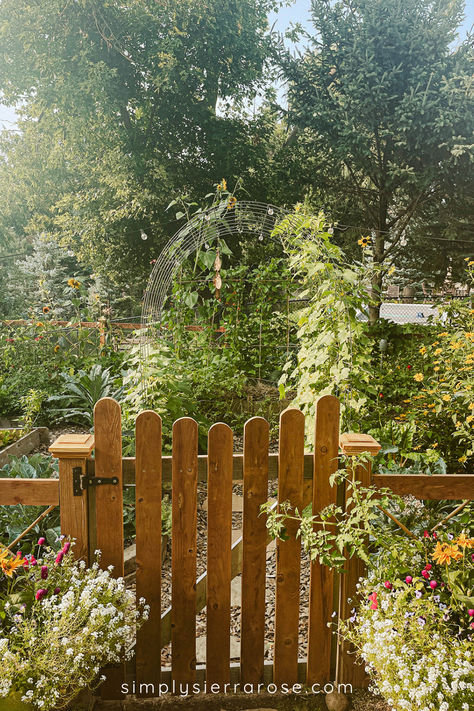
<point x="219" y="542"/>
<point x="183" y="550"/>
<point x="109" y="508"/>
<point x="321" y="594"/>
<point x="254" y="535"/>
<point x="287" y="593"/>
<point x="148" y="546"/>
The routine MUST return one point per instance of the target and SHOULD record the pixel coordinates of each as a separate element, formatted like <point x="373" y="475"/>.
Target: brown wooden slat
<point x="437" y="486"/>
<point x="287" y="593"/>
<point x="148" y="545"/>
<point x="183" y="547"/>
<point x="254" y="534"/>
<point x="109" y="509"/>
<point x="321" y="595"/>
<point x="29" y="492"/>
<point x="219" y="542"/>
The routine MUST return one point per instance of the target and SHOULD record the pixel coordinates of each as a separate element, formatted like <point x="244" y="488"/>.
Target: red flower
<point x="408" y="579"/>
<point x="380" y="394"/>
<point x="373" y="599"/>
<point x="40" y="594"/>
<point x="408" y="366"/>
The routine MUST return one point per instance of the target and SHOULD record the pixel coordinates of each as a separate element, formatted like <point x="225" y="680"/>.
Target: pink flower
<point x="425" y="574"/>
<point x="41" y="541"/>
<point x="44" y="572"/>
<point x="40" y="594"/>
<point x="470" y="613"/>
<point x="433" y="584"/>
<point x="388" y="585"/>
<point x="66" y="547"/>
<point x="373" y="598"/>
<point x="33" y="560"/>
<point x="428" y="567"/>
<point x="59" y="557"/>
<point x="57" y="591"/>
<point x="408" y="579"/>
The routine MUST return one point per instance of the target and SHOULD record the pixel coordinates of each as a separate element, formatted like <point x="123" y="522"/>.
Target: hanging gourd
<point x="217" y="281"/>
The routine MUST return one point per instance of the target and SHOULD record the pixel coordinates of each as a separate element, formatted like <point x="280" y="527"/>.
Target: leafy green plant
<point x="16" y="519"/>
<point x="9" y="436"/>
<point x="82" y="391"/>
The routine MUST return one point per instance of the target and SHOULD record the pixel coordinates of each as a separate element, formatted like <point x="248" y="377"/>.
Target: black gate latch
<point x="82" y="481"/>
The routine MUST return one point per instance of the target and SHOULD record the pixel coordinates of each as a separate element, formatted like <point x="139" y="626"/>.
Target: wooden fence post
<point x="109" y="508"/>
<point x="73" y="451"/>
<point x="349" y="670"/>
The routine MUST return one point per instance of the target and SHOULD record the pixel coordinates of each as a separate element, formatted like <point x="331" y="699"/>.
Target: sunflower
<point x="73" y="283"/>
<point x="364" y="242"/>
<point x="232" y="202"/>
<point x="222" y="185"/>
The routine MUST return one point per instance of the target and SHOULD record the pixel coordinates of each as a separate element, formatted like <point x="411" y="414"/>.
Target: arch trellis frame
<point x="219" y="221"/>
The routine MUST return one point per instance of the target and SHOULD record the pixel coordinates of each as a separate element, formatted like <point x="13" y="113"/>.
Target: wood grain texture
<point x="288" y="567"/>
<point x="74" y="510"/>
<point x="219" y="542"/>
<point x="321" y="594"/>
<point x="148" y="545"/>
<point x="254" y="534"/>
<point x="109" y="509"/>
<point x="350" y="671"/>
<point x="183" y="547"/>
<point x="29" y="492"/>
<point x="437" y="486"/>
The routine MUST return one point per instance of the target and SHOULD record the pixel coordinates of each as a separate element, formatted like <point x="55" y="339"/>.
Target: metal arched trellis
<point x="244" y="219"/>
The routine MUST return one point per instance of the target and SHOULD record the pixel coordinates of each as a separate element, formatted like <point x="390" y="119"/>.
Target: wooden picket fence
<point x="91" y="507"/>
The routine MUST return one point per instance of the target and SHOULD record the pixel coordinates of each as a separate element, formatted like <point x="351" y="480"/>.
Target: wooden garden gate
<point x="92" y="513"/>
<point x="90" y="492"/>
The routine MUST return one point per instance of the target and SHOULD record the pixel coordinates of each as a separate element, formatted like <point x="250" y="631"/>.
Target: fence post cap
<point x="73" y="446"/>
<point x="357" y="443"/>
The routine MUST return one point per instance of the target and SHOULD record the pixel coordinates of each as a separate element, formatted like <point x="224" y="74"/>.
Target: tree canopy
<point x="383" y="101"/>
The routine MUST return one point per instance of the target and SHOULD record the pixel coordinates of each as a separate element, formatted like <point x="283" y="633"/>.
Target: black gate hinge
<point x="81" y="481"/>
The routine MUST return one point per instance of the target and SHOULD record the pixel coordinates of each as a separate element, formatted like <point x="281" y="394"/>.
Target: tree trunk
<point x="377" y="280"/>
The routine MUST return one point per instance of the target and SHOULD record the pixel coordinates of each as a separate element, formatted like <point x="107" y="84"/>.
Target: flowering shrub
<point x="61" y="622"/>
<point x="415" y="632"/>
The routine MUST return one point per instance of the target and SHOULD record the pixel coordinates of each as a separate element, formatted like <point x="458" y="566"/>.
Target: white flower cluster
<point x="60" y="647"/>
<point x="414" y="671"/>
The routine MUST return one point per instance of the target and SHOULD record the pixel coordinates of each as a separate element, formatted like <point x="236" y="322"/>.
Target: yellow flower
<point x="8" y="565"/>
<point x="445" y="553"/>
<point x="406" y="401"/>
<point x="469" y="418"/>
<point x="433" y="446"/>
<point x="40" y="324"/>
<point x="463" y="541"/>
<point x="445" y="333"/>
<point x="56" y="348"/>
<point x="423" y="350"/>
<point x="222" y="185"/>
<point x="471" y="406"/>
<point x="419" y="377"/>
<point x="364" y="242"/>
<point x="390" y="271"/>
<point x="438" y="351"/>
<point x="232" y="202"/>
<point x="73" y="283"/>
<point x="436" y="368"/>
<point x="462" y="459"/>
<point x="446" y="398"/>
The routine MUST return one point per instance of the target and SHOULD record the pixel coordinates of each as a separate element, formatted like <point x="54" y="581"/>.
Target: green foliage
<point x="80" y="393"/>
<point x="16" y="519"/>
<point x="9" y="436"/>
<point x="138" y="85"/>
<point x="334" y="347"/>
<point x="382" y="102"/>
